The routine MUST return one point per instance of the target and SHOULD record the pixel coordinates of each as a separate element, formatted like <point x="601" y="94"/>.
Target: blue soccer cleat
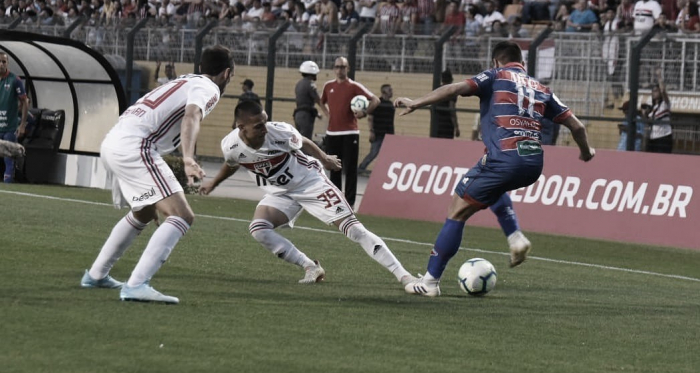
<point x="107" y="283"/>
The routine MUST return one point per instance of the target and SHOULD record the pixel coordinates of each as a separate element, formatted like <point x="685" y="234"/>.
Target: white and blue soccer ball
<point x="359" y="104"/>
<point x="477" y="276"/>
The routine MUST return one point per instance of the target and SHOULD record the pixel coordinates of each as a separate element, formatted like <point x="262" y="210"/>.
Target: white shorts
<point x="317" y="195"/>
<point x="140" y="178"/>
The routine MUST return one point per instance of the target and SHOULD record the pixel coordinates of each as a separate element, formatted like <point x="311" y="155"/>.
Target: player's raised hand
<point x="587" y="157"/>
<point x="404" y="102"/>
<point x="192" y="170"/>
<point x="332" y="162"/>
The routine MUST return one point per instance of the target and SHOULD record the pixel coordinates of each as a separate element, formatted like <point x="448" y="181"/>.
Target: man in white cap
<point x="307" y="98"/>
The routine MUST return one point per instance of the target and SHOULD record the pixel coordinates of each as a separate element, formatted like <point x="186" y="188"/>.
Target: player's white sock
<point x="158" y="249"/>
<point x="373" y="245"/>
<point x="263" y="232"/>
<point x="119" y="240"/>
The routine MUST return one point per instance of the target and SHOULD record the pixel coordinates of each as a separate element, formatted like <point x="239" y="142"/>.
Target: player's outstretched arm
<point x="330" y="162"/>
<point x="578" y="132"/>
<point x="224" y="173"/>
<point x="442" y="93"/>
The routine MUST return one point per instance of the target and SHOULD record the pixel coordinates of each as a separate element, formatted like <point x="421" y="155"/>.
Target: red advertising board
<point x="621" y="196"/>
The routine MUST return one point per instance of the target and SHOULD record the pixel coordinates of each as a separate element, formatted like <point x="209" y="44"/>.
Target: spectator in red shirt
<point x="343" y="135"/>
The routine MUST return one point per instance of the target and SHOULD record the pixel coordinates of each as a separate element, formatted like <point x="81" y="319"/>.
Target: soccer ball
<point x="477" y="276"/>
<point x="359" y="104"/>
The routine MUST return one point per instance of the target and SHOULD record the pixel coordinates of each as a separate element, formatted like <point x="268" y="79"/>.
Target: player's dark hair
<point x="384" y="86"/>
<point x="215" y="60"/>
<point x="507" y="51"/>
<point x="446" y="76"/>
<point x="246" y="107"/>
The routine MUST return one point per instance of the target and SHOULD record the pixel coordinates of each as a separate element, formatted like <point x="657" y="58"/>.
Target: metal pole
<point x="352" y="48"/>
<point x="532" y="51"/>
<point x="635" y="57"/>
<point x="198" y="43"/>
<point x="437" y="71"/>
<point x="14" y="23"/>
<point x="130" y="56"/>
<point x="69" y="30"/>
<point x="271" y="54"/>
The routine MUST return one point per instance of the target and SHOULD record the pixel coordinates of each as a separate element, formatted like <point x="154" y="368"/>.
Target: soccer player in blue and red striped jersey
<point x="512" y="106"/>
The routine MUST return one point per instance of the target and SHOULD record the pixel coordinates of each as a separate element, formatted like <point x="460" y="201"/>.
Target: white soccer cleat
<point x="314" y="274"/>
<point x="145" y="293"/>
<point x="519" y="247"/>
<point x="405" y="280"/>
<point x="107" y="282"/>
<point x="423" y="286"/>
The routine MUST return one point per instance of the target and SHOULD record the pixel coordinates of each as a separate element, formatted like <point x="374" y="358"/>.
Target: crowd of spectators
<point x="412" y="17"/>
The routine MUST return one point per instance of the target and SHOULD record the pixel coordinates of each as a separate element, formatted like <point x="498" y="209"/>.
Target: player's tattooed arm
<point x="330" y="162"/>
<point x="226" y="171"/>
<point x="578" y="132"/>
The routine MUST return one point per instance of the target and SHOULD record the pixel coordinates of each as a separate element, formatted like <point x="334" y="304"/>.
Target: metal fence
<point x="589" y="71"/>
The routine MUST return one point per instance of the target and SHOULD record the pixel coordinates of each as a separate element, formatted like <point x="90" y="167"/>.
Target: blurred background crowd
<point x="419" y="17"/>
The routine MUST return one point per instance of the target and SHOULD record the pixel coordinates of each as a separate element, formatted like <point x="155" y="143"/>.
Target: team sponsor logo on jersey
<point x="279" y="142"/>
<point x="528" y="147"/>
<point x="144" y="196"/>
<point x="481" y="77"/>
<point x="272" y="152"/>
<point x="234" y="146"/>
<point x="210" y="104"/>
<point x="241" y="156"/>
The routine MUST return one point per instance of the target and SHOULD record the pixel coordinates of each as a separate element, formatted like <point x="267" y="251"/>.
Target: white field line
<point x="599" y="266"/>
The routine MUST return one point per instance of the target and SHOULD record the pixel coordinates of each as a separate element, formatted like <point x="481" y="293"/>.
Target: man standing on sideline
<point x="512" y="105"/>
<point x="446" y="125"/>
<point x="13" y="104"/>
<point x="381" y="123"/>
<point x="290" y="168"/>
<point x="159" y="122"/>
<point x="307" y="98"/>
<point x="248" y="94"/>
<point x="343" y="135"/>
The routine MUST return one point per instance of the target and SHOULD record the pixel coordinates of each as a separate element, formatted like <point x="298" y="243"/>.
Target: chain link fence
<point x="588" y="71"/>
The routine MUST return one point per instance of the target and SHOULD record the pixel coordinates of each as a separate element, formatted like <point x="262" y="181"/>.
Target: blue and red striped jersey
<point x="512" y="107"/>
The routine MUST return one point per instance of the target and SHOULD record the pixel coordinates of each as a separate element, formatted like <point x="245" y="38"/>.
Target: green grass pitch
<point x="576" y="305"/>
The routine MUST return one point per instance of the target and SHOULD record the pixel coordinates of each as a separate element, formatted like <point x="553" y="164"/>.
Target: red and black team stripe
<point x="177" y="223"/>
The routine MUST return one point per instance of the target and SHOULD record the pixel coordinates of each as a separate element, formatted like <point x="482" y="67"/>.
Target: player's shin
<point x="503" y="208"/>
<point x="446" y="246"/>
<point x="123" y="234"/>
<point x="373" y="246"/>
<point x="263" y="232"/>
<point x="158" y="249"/>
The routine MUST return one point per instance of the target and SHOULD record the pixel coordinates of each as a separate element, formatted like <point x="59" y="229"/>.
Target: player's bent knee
<point x="259" y="229"/>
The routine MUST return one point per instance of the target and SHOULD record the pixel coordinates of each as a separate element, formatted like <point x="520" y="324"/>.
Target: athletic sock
<point x="263" y="232"/>
<point x="373" y="246"/>
<point x="503" y="208"/>
<point x="158" y="249"/>
<point x="446" y="246"/>
<point x="119" y="240"/>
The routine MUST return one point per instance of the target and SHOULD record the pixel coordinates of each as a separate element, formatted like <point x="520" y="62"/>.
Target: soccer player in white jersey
<point x="289" y="167"/>
<point x="159" y="122"/>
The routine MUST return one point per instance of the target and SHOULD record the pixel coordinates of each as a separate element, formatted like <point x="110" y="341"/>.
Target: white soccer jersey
<point x="279" y="165"/>
<point x="154" y="120"/>
<point x="645" y="15"/>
